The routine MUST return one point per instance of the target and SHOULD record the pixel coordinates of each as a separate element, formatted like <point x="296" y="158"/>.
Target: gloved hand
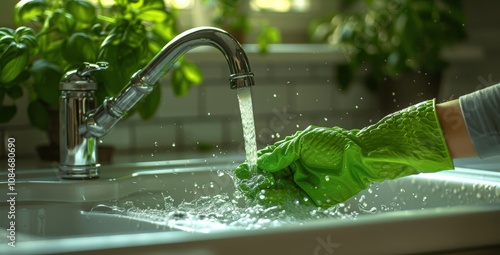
<point x="330" y="165"/>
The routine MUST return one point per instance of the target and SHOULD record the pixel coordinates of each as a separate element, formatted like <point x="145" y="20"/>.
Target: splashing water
<point x="211" y="213"/>
<point x="246" y="109"/>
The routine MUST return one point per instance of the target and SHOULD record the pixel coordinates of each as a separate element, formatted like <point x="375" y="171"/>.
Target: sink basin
<point x="190" y="207"/>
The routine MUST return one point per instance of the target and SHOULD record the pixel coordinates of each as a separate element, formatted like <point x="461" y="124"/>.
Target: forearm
<point x="455" y="130"/>
<point x="471" y="124"/>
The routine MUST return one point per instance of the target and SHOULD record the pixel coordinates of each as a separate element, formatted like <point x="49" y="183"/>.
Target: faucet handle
<point x="80" y="79"/>
<point x="87" y="68"/>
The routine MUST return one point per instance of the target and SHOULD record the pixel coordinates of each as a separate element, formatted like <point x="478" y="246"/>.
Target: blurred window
<point x="180" y="4"/>
<point x="280" y="5"/>
<point x="255" y="5"/>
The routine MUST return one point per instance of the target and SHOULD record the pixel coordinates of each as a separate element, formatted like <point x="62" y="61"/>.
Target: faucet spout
<point x="102" y="120"/>
<point x="241" y="76"/>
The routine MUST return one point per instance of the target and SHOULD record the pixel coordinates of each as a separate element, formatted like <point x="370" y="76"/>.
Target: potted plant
<point x="398" y="42"/>
<point x="230" y="15"/>
<point x="56" y="36"/>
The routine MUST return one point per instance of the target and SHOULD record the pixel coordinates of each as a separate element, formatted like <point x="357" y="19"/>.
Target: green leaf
<point x="126" y="33"/>
<point x="5" y="41"/>
<point x="27" y="10"/>
<point x="151" y="103"/>
<point x="152" y="15"/>
<point x="6" y="31"/>
<point x="63" y="21"/>
<point x="267" y="35"/>
<point x="147" y="4"/>
<point x="83" y="12"/>
<point x="7" y="112"/>
<point x="155" y="44"/>
<point x="180" y="85"/>
<point x="123" y="61"/>
<point x="23" y="76"/>
<point x="38" y="115"/>
<point x="165" y="30"/>
<point x="191" y="72"/>
<point x="79" y="48"/>
<point x="13" y="61"/>
<point x="46" y="77"/>
<point x="134" y="35"/>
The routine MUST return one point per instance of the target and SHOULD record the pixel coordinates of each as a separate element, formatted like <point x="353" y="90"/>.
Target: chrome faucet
<point x="81" y="162"/>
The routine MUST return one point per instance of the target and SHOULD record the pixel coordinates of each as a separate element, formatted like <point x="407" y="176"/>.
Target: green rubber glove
<point x="330" y="165"/>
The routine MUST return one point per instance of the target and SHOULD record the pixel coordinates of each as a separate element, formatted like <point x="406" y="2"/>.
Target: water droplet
<point x="274" y="95"/>
<point x="326" y="119"/>
<point x="327" y="178"/>
<point x="156" y="144"/>
<point x="362" y="198"/>
<point x="357" y="107"/>
<point x="208" y="114"/>
<point x="173" y="144"/>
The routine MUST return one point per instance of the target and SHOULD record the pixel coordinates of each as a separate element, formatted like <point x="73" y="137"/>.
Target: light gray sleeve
<point x="481" y="111"/>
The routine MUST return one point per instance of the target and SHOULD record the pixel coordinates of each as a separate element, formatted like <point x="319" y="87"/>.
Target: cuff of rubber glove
<point x="448" y="164"/>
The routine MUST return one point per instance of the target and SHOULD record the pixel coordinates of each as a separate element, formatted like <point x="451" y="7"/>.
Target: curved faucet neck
<point x="103" y="119"/>
<point x="241" y="75"/>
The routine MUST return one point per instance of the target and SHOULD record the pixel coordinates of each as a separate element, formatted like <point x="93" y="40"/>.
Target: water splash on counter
<point x="211" y="213"/>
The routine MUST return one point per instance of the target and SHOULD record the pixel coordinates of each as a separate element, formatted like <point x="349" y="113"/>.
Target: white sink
<point x="178" y="207"/>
